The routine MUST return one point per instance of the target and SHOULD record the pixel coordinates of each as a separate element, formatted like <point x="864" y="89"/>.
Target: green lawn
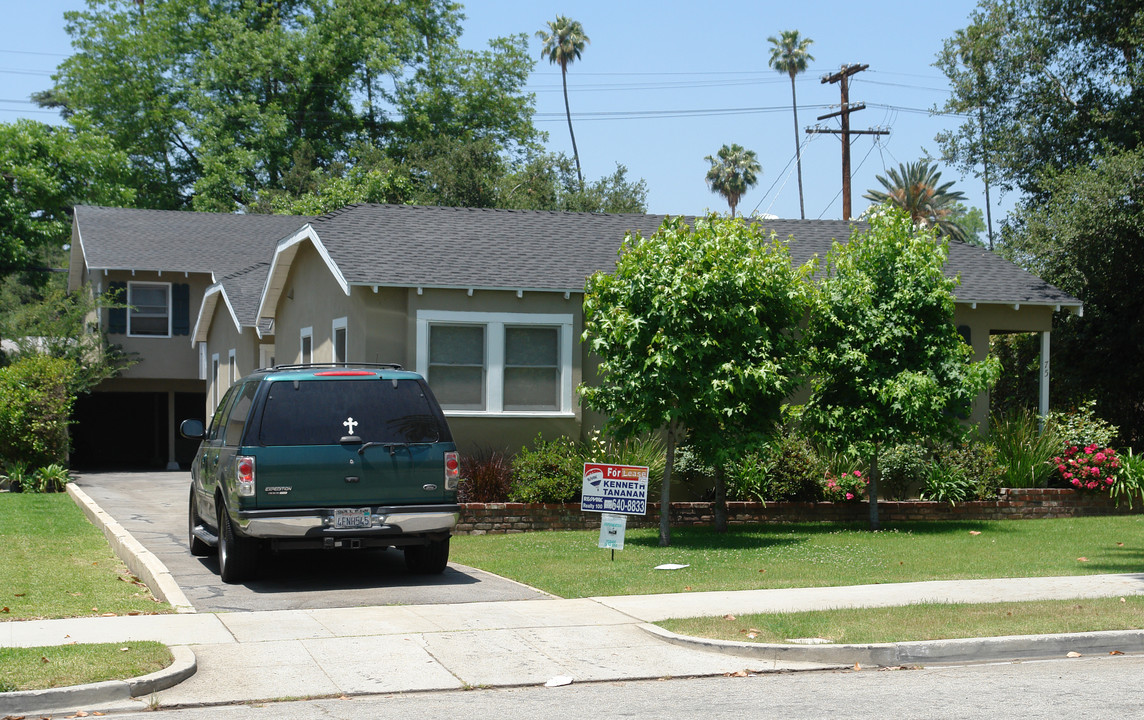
<point x="926" y="621"/>
<point x="40" y="668"/>
<point x="569" y="564"/>
<point x="54" y="563"/>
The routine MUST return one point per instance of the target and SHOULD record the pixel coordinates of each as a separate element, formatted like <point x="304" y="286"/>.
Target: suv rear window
<point x="321" y="412"/>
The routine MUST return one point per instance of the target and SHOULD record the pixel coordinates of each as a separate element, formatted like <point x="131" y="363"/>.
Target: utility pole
<point x="842" y="77"/>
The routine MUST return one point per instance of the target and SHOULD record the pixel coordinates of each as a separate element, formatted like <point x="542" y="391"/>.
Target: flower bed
<point x="1014" y="504"/>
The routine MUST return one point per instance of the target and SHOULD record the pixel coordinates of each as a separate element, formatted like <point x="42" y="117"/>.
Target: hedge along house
<point x="161" y="262"/>
<point x="487" y="304"/>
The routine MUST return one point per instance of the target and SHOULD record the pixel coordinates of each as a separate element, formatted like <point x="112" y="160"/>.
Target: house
<point x="487" y="304"/>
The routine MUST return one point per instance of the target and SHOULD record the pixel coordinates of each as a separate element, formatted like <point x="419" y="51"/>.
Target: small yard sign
<point x="612" y="529"/>
<point x="620" y="489"/>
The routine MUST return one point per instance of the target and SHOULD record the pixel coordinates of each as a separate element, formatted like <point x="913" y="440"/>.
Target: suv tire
<point x="236" y="555"/>
<point x="198" y="547"/>
<point x="428" y="559"/>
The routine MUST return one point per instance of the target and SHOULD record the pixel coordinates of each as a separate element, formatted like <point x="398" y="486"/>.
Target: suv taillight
<point x="452" y="470"/>
<point x="244" y="475"/>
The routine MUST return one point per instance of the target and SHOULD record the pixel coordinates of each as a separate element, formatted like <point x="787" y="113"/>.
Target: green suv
<point x="324" y="457"/>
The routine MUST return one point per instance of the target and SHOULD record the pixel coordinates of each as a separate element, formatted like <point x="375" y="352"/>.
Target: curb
<point x="138" y="559"/>
<point x="966" y="650"/>
<point x="34" y="701"/>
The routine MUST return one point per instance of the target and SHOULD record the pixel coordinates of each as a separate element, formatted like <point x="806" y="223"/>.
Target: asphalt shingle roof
<point x="409" y="246"/>
<point x="178" y="241"/>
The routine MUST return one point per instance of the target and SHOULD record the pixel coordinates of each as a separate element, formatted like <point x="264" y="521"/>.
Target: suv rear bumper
<point x="318" y="522"/>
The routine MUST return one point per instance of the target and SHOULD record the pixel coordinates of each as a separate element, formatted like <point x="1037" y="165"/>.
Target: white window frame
<point x="303" y="334"/>
<point x="265" y="355"/>
<point x="232" y="361"/>
<point x="202" y="361"/>
<point x="494" y="324"/>
<point x="214" y="382"/>
<point x="339" y="324"/>
<point x="131" y="284"/>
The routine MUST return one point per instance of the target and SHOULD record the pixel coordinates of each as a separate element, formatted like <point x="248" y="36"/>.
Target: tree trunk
<point x="568" y="114"/>
<point x="873" y="491"/>
<point x="720" y="500"/>
<point x="665" y="491"/>
<point x="797" y="149"/>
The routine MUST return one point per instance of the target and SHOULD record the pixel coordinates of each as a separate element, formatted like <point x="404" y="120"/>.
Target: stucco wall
<point x="158" y="357"/>
<point x="222" y="337"/>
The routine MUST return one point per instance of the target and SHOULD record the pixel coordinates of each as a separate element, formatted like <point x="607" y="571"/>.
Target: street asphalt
<point x="264" y="655"/>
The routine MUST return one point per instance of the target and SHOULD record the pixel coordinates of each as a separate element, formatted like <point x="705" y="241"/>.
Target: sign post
<point x="615" y="491"/>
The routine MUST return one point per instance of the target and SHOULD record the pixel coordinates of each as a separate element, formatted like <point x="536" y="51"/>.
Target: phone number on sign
<point x="624" y="506"/>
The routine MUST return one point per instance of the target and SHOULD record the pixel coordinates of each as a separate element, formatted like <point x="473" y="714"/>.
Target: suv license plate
<point x="351" y="518"/>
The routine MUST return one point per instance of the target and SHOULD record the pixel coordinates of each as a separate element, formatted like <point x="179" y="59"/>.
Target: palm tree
<point x="733" y="172"/>
<point x="914" y="188"/>
<point x="790" y="55"/>
<point x="563" y="43"/>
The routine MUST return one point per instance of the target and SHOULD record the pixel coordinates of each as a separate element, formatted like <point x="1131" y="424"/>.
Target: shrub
<point x="747" y="477"/>
<point x="548" y="472"/>
<point x="946" y="483"/>
<point x="35" y="407"/>
<point x="48" y="479"/>
<point x="1081" y="427"/>
<point x="15" y="476"/>
<point x="1089" y="467"/>
<point x="903" y="468"/>
<point x="485" y="477"/>
<point x="847" y="487"/>
<point x="1130" y="482"/>
<point x="977" y="463"/>
<point x="1024" y="452"/>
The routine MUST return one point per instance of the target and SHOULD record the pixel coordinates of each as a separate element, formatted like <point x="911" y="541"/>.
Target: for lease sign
<point x="620" y="489"/>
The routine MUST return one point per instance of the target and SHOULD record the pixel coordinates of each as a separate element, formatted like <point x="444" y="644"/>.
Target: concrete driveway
<point x="152" y="506"/>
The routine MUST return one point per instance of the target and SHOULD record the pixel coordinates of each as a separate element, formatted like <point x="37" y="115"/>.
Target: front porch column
<point x="1043" y="407"/>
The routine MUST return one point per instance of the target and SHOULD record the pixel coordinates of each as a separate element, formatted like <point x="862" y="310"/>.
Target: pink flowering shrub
<point x="847" y="487"/>
<point x="1089" y="467"/>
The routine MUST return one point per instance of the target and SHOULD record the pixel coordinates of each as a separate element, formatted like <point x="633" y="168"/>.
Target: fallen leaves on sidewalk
<point x="1074" y="654"/>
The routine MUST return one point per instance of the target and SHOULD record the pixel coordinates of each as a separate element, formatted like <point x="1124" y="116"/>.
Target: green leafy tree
<point x="1043" y="84"/>
<point x="916" y="188"/>
<point x="564" y="43"/>
<point x="694" y="329"/>
<point x="213" y="101"/>
<point x="734" y="170"/>
<point x="1087" y="238"/>
<point x="44" y="171"/>
<point x="790" y="54"/>
<point x="887" y="362"/>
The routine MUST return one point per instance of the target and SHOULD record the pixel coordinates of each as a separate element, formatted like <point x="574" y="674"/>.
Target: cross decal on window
<point x="350" y="423"/>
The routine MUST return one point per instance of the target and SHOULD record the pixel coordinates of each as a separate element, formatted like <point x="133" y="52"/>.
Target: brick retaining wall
<point x="1014" y="504"/>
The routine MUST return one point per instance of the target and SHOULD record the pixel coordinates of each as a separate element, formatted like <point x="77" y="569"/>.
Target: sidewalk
<point x="251" y="656"/>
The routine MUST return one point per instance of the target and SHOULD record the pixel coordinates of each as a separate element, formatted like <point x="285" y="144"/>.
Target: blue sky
<point x="664" y="84"/>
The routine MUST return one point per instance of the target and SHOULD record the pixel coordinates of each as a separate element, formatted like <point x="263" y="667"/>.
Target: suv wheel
<point x="428" y="559"/>
<point x="198" y="547"/>
<point x="236" y="555"/>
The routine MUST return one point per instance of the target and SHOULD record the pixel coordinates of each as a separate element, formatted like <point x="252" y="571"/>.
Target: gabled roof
<point x="240" y="293"/>
<point x="177" y="241"/>
<point x="465" y="248"/>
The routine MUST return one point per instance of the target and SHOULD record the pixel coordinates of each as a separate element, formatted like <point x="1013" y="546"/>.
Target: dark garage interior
<point x="129" y="430"/>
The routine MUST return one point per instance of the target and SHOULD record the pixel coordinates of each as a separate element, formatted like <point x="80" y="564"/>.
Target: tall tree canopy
<point x="790" y="54"/>
<point x="1055" y="81"/>
<point x="564" y="43"/>
<point x="44" y="171"/>
<point x="734" y="170"/>
<point x="214" y="100"/>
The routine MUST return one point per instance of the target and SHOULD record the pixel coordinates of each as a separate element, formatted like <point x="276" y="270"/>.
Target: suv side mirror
<point x="192" y="429"/>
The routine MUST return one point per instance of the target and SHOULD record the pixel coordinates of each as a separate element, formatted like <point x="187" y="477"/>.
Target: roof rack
<point x="308" y="366"/>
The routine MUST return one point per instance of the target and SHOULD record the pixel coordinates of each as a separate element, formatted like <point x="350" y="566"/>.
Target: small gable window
<point x="149" y="309"/>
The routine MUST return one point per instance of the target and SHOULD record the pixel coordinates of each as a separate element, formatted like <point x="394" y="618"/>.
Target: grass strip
<point x="40" y="668"/>
<point x="748" y="557"/>
<point x="56" y="564"/>
<point x="925" y="621"/>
